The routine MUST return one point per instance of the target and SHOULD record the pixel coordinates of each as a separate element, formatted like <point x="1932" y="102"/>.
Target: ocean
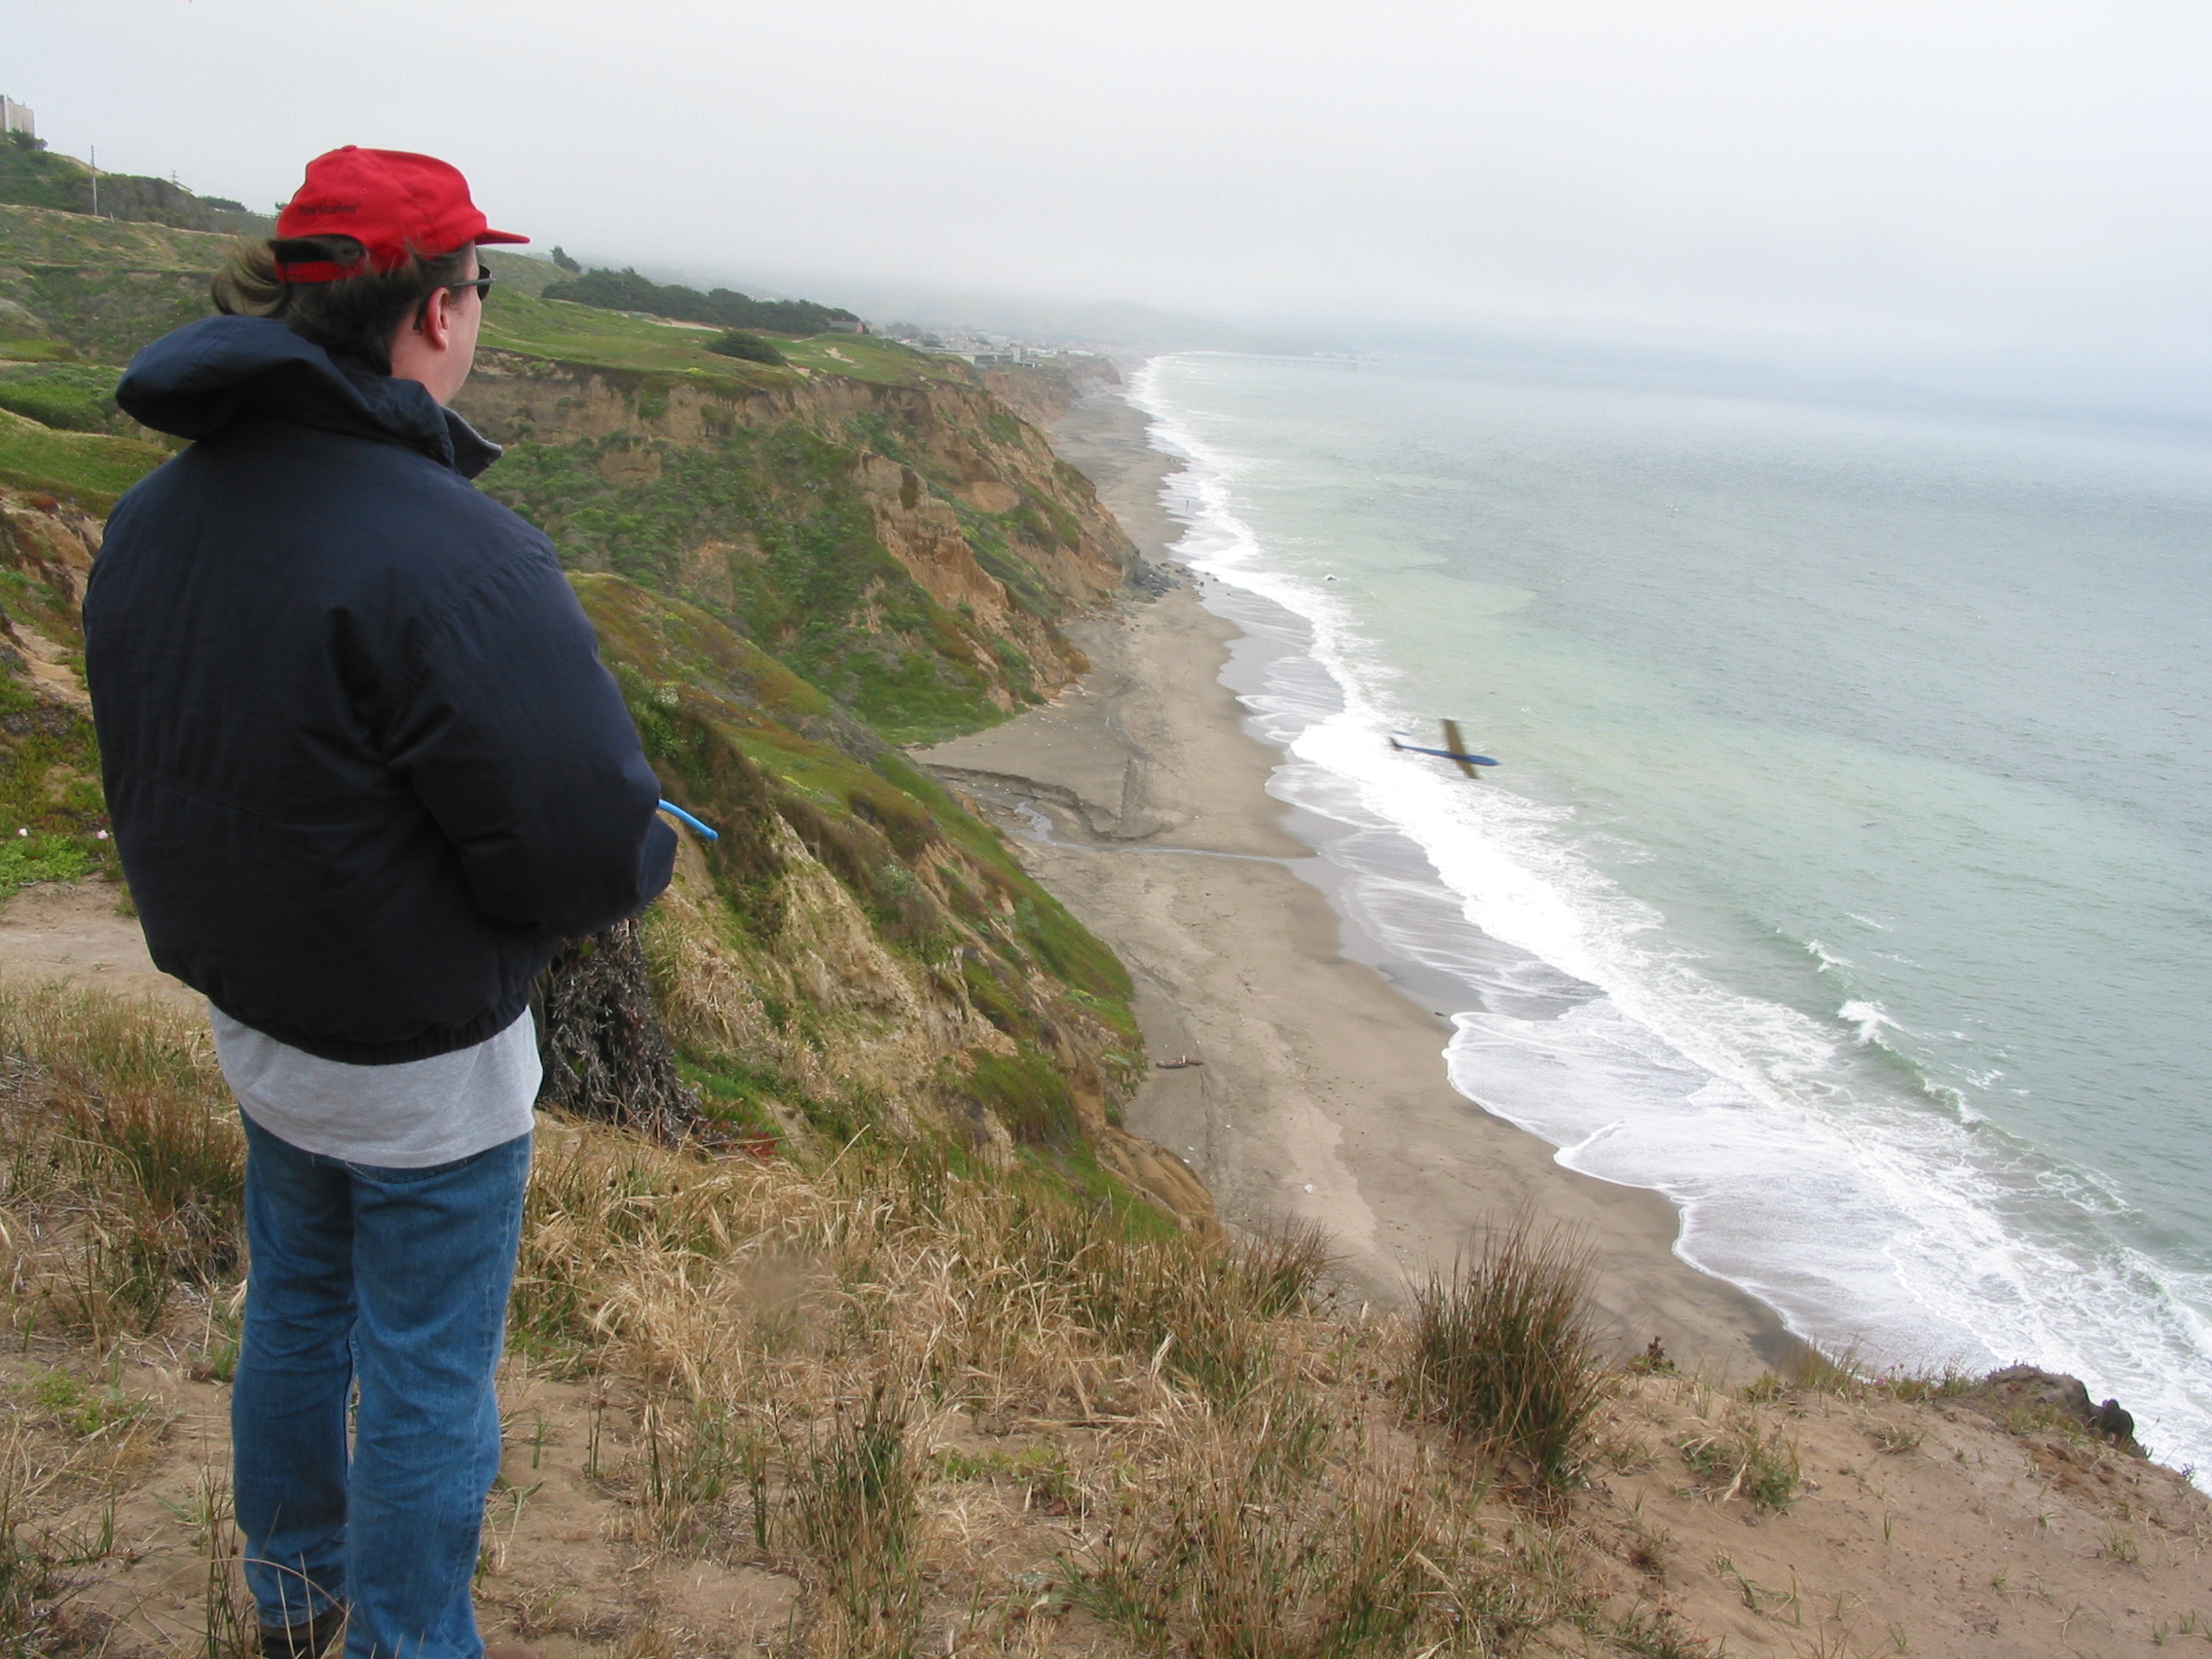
<point x="1845" y="876"/>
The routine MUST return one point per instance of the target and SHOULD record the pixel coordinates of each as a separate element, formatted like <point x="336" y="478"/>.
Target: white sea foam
<point x="1867" y="1017"/>
<point x="1826" y="958"/>
<point x="1867" y="1217"/>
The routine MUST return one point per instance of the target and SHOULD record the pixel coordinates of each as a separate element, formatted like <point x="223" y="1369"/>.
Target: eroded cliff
<point x="896" y="534"/>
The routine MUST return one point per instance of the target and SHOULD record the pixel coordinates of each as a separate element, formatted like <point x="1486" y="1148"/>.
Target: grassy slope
<point x="68" y="396"/>
<point x="90" y="469"/>
<point x="565" y="332"/>
<point x="101" y="287"/>
<point x="820" y="590"/>
<point x="37" y="236"/>
<point x="49" y="763"/>
<point x="884" y="1402"/>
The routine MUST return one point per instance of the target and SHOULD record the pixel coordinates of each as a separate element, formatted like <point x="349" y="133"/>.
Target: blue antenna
<point x="677" y="812"/>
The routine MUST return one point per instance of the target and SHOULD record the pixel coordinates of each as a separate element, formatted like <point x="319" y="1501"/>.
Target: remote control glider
<point x="1455" y="750"/>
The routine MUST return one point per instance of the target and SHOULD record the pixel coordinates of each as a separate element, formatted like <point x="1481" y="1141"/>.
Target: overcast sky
<point x="2012" y="194"/>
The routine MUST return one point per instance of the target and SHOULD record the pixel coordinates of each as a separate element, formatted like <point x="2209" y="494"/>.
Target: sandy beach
<point x="1140" y="800"/>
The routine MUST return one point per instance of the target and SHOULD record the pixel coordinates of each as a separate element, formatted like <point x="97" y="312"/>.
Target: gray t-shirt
<point x="409" y="1116"/>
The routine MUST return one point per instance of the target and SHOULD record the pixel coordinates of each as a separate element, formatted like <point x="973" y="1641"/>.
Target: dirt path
<point x="78" y="931"/>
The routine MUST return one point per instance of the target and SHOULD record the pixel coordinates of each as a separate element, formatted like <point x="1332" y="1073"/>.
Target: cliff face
<point x="910" y="545"/>
<point x="51" y="807"/>
<point x="1042" y="391"/>
<point x="787" y="565"/>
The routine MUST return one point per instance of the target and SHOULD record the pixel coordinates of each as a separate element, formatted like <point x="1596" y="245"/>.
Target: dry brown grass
<point x="1231" y="1470"/>
<point x="885" y="1400"/>
<point x="956" y="1404"/>
<point x="121" y="1162"/>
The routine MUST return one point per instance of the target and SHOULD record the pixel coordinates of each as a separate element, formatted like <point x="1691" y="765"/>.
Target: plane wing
<point x="1455" y="751"/>
<point x="1459" y="757"/>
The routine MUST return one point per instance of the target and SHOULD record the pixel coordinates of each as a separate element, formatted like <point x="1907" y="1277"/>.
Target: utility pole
<point x="95" y="181"/>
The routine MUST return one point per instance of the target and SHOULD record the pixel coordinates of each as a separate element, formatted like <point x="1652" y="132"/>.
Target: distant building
<point x="17" y="118"/>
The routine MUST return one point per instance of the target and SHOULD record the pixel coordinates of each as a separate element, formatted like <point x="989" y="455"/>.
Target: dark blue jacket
<point x="365" y="767"/>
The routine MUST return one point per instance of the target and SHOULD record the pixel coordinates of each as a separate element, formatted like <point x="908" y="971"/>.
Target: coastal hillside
<point x="850" y="1320"/>
<point x="872" y="515"/>
<point x="855" y="952"/>
<point x="792" y="567"/>
<point x="73" y="286"/>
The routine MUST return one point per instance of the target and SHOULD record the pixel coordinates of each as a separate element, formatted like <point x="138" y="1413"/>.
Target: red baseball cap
<point x="394" y="203"/>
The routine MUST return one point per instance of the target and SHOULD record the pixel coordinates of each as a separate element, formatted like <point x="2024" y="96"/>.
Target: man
<point x="365" y="773"/>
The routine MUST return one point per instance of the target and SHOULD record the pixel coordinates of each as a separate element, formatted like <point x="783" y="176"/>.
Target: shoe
<point x="307" y="1641"/>
<point x="509" y="1650"/>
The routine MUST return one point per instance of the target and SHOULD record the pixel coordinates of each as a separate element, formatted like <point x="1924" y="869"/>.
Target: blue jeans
<point x="397" y="1280"/>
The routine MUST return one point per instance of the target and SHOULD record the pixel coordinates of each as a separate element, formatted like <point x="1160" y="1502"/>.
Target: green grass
<point x="69" y="397"/>
<point x="673" y="640"/>
<point x="567" y="332"/>
<point x="28" y="859"/>
<point x="37" y="236"/>
<point x="14" y="349"/>
<point x="874" y="358"/>
<point x="739" y="1100"/>
<point x="519" y="273"/>
<point x="1027" y="1094"/>
<point x="585" y="335"/>
<point x="808" y="581"/>
<point x="88" y="468"/>
<point x="48" y="785"/>
<point x="107" y="311"/>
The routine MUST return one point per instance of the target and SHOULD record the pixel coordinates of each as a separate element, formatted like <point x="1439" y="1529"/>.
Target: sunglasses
<point x="482" y="284"/>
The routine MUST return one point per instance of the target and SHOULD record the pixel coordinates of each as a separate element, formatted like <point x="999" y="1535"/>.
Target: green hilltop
<point x="31" y="175"/>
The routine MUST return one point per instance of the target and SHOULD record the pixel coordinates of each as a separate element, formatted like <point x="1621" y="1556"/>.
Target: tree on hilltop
<point x="626" y="290"/>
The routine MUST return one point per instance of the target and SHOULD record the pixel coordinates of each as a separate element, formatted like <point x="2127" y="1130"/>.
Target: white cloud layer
<point x="2010" y="195"/>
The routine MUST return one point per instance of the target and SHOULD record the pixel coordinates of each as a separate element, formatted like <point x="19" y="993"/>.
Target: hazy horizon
<point x="2002" y="201"/>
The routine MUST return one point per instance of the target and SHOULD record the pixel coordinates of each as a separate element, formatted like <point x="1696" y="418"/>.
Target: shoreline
<point x="1140" y="800"/>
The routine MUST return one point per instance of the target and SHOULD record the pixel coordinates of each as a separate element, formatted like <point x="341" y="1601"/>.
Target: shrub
<point x="738" y="343"/>
<point x="1503" y="1352"/>
<point x="626" y="290"/>
<point x="857" y="1511"/>
<point x="52" y="406"/>
<point x="1237" y="1553"/>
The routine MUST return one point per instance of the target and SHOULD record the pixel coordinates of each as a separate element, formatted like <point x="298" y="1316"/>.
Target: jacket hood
<point x="207" y="375"/>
